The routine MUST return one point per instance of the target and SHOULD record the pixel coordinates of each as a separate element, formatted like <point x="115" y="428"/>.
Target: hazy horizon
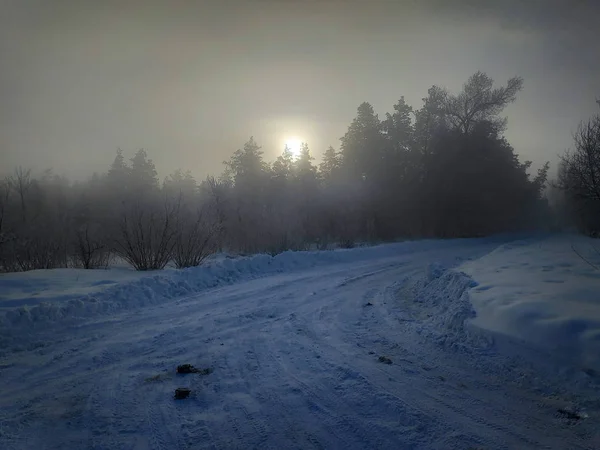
<point x="191" y="82"/>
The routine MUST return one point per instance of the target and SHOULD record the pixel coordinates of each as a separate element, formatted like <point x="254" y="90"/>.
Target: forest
<point x="443" y="170"/>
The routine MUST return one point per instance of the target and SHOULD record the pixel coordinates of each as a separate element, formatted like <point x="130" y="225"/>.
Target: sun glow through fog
<point x="294" y="145"/>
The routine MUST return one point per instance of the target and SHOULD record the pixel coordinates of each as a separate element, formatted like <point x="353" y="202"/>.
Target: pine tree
<point x="143" y="173"/>
<point x="362" y="146"/>
<point x="480" y="102"/>
<point x="398" y="126"/>
<point x="118" y="173"/>
<point x="330" y="166"/>
<point x="282" y="167"/>
<point x="247" y="164"/>
<point x="250" y="177"/>
<point x="180" y="183"/>
<point x="304" y="169"/>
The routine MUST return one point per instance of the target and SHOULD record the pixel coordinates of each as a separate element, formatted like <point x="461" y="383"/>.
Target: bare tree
<point x="581" y="167"/>
<point x="4" y="197"/>
<point x="6" y="236"/>
<point x="579" y="174"/>
<point x="38" y="217"/>
<point x="21" y="183"/>
<point x="217" y="191"/>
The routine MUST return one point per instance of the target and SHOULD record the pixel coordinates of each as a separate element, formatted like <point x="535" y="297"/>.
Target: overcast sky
<point x="191" y="81"/>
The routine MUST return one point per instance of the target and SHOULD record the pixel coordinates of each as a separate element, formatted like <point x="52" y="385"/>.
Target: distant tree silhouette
<point x="250" y="176"/>
<point x="180" y="183"/>
<point x="246" y="165"/>
<point x="143" y="174"/>
<point x="118" y="176"/>
<point x="283" y="165"/>
<point x="303" y="168"/>
<point x="579" y="176"/>
<point x="330" y="166"/>
<point x="398" y="128"/>
<point x="471" y="177"/>
<point x="478" y="102"/>
<point x="4" y="207"/>
<point x="362" y="146"/>
<point x="280" y="210"/>
<point x="306" y="196"/>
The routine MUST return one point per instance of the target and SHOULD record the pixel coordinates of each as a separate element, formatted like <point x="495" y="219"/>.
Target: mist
<point x="190" y="82"/>
<point x="165" y="132"/>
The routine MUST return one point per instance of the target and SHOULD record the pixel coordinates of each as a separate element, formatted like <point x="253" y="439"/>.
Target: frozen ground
<point x="295" y="343"/>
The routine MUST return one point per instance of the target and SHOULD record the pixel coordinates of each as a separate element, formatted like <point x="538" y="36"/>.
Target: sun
<point x="294" y="144"/>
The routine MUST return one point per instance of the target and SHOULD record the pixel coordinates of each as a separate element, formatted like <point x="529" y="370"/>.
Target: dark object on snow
<point x="188" y="368"/>
<point x="368" y="304"/>
<point x="591" y="372"/>
<point x="385" y="360"/>
<point x="181" y="393"/>
<point x="571" y="415"/>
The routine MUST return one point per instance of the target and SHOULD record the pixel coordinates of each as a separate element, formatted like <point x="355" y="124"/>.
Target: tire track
<point x="417" y="394"/>
<point x="270" y="400"/>
<point x="321" y="402"/>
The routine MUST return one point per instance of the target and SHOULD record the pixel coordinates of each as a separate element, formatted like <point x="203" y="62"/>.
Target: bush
<point x="146" y="235"/>
<point x="89" y="249"/>
<point x="196" y="236"/>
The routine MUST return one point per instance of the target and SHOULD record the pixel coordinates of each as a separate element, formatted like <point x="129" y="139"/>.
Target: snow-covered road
<point x="296" y="365"/>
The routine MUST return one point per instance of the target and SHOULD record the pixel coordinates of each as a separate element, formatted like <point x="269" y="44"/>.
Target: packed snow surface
<point x="417" y="345"/>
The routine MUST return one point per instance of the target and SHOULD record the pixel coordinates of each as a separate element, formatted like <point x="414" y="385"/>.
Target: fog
<point x="191" y="81"/>
<point x="158" y="158"/>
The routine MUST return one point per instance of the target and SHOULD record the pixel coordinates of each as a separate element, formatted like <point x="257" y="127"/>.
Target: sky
<point x="191" y="81"/>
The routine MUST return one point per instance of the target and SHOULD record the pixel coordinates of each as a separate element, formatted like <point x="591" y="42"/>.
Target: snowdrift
<point x="32" y="301"/>
<point x="439" y="307"/>
<point x="545" y="292"/>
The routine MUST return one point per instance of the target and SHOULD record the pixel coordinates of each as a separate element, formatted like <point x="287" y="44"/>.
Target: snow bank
<point x="543" y="291"/>
<point x="439" y="307"/>
<point x="31" y="301"/>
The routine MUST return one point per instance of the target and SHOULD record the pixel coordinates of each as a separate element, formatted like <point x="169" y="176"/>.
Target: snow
<point x="30" y="301"/>
<point x="57" y="285"/>
<point x="544" y="291"/>
<point x="295" y="341"/>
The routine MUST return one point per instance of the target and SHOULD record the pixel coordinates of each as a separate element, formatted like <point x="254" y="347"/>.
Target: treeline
<point x="443" y="170"/>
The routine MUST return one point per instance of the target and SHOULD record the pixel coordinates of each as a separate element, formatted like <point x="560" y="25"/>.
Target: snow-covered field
<point x="482" y="344"/>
